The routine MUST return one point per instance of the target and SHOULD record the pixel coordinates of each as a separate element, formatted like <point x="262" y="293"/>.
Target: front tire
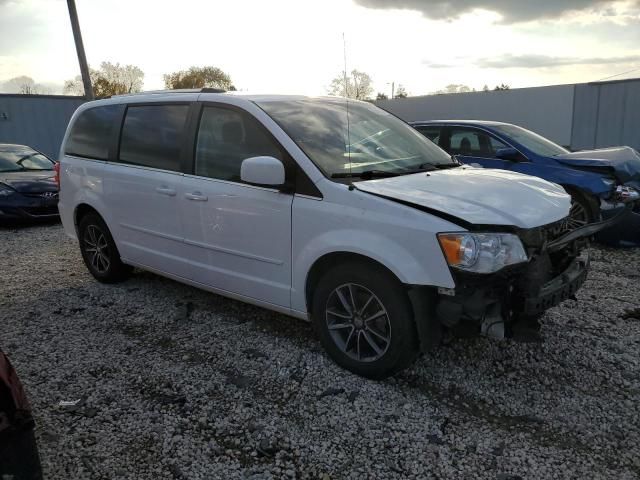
<point x="365" y="321"/>
<point x="99" y="251"/>
<point x="584" y="210"/>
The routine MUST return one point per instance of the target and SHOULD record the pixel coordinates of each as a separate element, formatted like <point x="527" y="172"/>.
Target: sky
<point x="296" y="46"/>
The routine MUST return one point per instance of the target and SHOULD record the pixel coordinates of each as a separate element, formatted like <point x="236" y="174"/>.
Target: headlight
<point x="5" y="191"/>
<point x="609" y="182"/>
<point x="482" y="252"/>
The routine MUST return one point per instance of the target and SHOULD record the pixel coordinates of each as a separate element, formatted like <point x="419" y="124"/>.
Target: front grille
<point x="41" y="211"/>
<point x="539" y="236"/>
<point x="51" y="195"/>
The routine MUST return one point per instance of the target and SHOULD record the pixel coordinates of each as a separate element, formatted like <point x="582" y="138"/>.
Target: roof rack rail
<point x="177" y="90"/>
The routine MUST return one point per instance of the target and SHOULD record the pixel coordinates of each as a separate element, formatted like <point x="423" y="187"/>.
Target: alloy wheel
<point x="578" y="216"/>
<point x="97" y="249"/>
<point x="358" y="322"/>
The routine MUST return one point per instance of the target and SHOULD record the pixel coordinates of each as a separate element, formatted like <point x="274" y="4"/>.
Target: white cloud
<point x="288" y="46"/>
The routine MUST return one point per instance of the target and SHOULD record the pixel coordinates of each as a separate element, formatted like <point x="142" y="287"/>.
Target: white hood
<point x="479" y="196"/>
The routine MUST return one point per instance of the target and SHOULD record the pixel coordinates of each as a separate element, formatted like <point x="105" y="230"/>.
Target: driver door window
<point x="226" y="137"/>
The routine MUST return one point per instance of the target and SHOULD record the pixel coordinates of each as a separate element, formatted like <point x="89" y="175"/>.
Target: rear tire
<point x="99" y="251"/>
<point x="365" y="321"/>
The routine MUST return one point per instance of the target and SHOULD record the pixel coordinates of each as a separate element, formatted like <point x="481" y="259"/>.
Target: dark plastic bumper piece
<point x="560" y="288"/>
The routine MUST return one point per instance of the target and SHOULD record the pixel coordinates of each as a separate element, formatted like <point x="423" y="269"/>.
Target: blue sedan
<point x="599" y="181"/>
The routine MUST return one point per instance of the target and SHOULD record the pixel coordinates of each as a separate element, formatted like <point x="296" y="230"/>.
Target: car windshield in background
<point x="534" y="142"/>
<point x="370" y="141"/>
<point x="23" y="160"/>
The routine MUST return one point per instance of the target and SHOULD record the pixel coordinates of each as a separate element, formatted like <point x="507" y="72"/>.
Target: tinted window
<point x="471" y="142"/>
<point x="362" y="138"/>
<point x="91" y="133"/>
<point x="226" y="138"/>
<point x="432" y="133"/>
<point x="152" y="135"/>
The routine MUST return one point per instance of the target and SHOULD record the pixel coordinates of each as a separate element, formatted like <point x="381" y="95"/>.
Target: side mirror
<point x="265" y="171"/>
<point x="508" y="153"/>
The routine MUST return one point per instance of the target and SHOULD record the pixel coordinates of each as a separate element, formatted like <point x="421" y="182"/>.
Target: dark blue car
<point x="599" y="181"/>
<point x="28" y="187"/>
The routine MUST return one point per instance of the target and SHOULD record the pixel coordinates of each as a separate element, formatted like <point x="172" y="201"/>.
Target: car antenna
<point x="346" y="95"/>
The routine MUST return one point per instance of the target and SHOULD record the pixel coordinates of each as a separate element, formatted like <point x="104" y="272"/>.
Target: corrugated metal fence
<point x="581" y="116"/>
<point x="606" y="114"/>
<point x="36" y="120"/>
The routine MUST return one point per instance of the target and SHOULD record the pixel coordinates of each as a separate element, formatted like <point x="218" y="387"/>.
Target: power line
<point x="618" y="74"/>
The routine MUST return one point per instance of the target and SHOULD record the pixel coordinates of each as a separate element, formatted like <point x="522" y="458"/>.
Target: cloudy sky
<point x="295" y="46"/>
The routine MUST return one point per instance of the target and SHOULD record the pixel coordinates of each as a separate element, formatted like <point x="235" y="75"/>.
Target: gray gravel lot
<point x="178" y="383"/>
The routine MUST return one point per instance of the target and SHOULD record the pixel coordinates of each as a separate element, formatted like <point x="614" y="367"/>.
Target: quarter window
<point x="474" y="143"/>
<point x="226" y="137"/>
<point x="91" y="133"/>
<point x="152" y="136"/>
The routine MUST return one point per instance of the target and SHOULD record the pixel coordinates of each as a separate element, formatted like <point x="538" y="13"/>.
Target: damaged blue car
<point x="602" y="183"/>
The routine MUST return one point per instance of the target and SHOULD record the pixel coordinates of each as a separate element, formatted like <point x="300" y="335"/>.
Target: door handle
<point x="196" y="197"/>
<point x="164" y="190"/>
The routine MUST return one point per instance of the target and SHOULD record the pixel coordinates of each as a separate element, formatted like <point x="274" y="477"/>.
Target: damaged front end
<point x="508" y="302"/>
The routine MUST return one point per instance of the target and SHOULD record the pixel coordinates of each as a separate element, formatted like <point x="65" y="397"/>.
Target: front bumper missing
<point x="493" y="305"/>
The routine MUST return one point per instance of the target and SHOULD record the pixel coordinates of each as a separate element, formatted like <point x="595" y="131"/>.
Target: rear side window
<point x="227" y="137"/>
<point x="152" y="136"/>
<point x="91" y="133"/>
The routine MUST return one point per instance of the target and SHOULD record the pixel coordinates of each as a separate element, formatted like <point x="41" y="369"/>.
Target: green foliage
<point x="110" y="79"/>
<point x="199" y="77"/>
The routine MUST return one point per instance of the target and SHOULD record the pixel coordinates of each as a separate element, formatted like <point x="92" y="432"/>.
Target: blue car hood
<point x="623" y="162"/>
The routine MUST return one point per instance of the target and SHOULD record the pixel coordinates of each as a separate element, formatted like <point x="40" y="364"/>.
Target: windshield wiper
<point x="367" y="174"/>
<point x="370" y="174"/>
<point x="446" y="166"/>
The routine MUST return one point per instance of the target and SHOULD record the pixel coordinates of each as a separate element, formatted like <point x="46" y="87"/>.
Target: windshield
<point x="376" y="140"/>
<point x="23" y="160"/>
<point x="532" y="141"/>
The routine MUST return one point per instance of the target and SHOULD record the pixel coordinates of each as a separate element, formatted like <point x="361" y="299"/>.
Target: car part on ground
<point x="19" y="458"/>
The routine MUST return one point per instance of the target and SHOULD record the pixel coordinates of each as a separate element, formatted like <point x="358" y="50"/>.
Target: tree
<point x="381" y="96"/>
<point x="454" y="88"/>
<point x="485" y="88"/>
<point x="27" y="86"/>
<point x="199" y="77"/>
<point x="401" y="92"/>
<point x="23" y="84"/>
<point x="502" y="86"/>
<point x="110" y="79"/>
<point x="356" y="85"/>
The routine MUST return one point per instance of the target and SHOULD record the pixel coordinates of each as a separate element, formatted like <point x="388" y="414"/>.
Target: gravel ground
<point x="179" y="383"/>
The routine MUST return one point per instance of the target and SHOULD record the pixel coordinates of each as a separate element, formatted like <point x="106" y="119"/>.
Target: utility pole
<point x="82" y="58"/>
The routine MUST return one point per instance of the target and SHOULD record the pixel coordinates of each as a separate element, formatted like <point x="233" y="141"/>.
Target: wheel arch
<point x="324" y="263"/>
<point x="83" y="209"/>
<point x="590" y="199"/>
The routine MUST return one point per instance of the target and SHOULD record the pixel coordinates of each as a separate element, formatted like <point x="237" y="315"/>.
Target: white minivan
<point x="320" y="208"/>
